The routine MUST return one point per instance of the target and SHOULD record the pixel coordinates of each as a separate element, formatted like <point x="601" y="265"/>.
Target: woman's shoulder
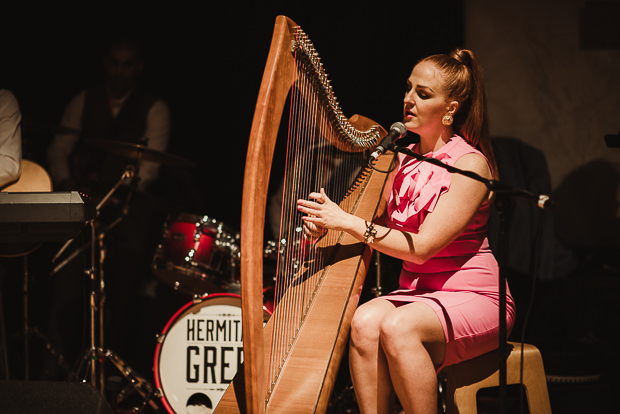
<point x="459" y="146"/>
<point x="475" y="162"/>
<point x="467" y="157"/>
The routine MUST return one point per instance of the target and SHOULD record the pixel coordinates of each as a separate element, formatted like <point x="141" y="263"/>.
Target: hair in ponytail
<point x="464" y="83"/>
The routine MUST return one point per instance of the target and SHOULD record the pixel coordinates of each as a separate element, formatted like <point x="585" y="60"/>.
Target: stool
<point x="463" y="380"/>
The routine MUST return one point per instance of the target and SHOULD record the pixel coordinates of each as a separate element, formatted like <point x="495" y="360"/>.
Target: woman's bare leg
<point x="367" y="362"/>
<point x="413" y="342"/>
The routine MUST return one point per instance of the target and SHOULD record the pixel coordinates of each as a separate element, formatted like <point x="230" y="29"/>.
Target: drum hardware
<point x="128" y="174"/>
<point x="271" y="250"/>
<point x="28" y="332"/>
<point x="135" y="381"/>
<point x="92" y="363"/>
<point x="233" y="283"/>
<point x="4" y="360"/>
<point x="32" y="330"/>
<point x="377" y="290"/>
<point x="197" y="255"/>
<point x="200" y="254"/>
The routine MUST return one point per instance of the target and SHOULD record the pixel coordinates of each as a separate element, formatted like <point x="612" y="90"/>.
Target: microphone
<point x="397" y="130"/>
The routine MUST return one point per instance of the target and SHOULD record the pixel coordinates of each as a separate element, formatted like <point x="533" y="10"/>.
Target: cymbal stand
<point x="92" y="362"/>
<point x="92" y="356"/>
<point x="128" y="174"/>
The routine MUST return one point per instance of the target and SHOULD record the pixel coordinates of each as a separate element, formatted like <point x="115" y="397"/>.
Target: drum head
<point x="199" y="353"/>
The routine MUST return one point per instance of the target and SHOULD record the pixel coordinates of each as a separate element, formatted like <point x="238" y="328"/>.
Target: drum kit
<point x="200" y="348"/>
<point x="197" y="253"/>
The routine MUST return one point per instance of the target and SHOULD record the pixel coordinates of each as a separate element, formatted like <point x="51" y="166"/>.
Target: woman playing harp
<point x="446" y="308"/>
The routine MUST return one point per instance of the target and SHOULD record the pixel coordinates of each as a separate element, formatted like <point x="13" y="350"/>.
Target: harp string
<point x="315" y="159"/>
<point x="312" y="163"/>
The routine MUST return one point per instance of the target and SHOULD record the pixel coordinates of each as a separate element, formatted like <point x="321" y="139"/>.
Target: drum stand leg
<point x="98" y="356"/>
<point x="96" y="302"/>
<point x="4" y="360"/>
<point x="29" y="332"/>
<point x="26" y="322"/>
<point x="233" y="285"/>
<point x="92" y="364"/>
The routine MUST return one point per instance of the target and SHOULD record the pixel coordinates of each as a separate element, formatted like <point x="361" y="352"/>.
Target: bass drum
<point x="198" y="353"/>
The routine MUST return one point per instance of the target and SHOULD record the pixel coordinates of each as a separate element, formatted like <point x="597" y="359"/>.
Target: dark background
<point x="208" y="66"/>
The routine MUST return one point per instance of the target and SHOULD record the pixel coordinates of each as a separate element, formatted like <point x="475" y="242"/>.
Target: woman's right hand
<point x="322" y="213"/>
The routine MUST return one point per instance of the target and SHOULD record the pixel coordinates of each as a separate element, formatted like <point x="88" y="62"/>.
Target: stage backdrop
<point x="552" y="81"/>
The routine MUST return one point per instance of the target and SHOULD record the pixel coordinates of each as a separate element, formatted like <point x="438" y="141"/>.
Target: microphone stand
<point x="502" y="193"/>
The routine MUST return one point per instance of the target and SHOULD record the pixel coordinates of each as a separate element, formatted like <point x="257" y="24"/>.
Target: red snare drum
<point x="199" y="352"/>
<point x="198" y="254"/>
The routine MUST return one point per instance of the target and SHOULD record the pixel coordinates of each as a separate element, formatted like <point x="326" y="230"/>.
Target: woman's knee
<point x="365" y="325"/>
<point x="410" y="325"/>
<point x="394" y="333"/>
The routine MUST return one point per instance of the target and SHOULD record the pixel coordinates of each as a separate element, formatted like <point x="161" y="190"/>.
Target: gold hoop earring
<point x="447" y="120"/>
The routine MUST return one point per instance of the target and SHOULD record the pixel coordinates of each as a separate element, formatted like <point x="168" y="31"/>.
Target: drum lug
<point x="190" y="255"/>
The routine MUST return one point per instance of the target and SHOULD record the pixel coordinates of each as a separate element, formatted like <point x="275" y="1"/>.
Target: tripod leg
<point x="59" y="359"/>
<point x="141" y="385"/>
<point x="81" y="369"/>
<point x="4" y="361"/>
<point x="26" y="322"/>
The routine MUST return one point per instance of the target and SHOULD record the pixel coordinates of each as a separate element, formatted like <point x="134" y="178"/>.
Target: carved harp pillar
<point x="290" y="364"/>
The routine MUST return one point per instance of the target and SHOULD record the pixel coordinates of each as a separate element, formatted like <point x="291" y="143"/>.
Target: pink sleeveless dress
<point x="461" y="282"/>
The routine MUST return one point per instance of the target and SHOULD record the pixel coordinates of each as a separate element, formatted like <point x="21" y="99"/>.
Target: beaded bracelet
<point x="370" y="233"/>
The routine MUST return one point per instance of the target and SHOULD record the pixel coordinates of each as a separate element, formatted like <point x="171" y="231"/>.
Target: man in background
<point x="122" y="110"/>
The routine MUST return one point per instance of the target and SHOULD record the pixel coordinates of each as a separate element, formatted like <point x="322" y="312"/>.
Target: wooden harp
<point x="291" y="363"/>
